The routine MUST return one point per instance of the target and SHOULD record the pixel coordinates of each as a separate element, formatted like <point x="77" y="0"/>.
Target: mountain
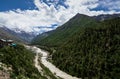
<point x="105" y="16"/>
<point x="6" y="33"/>
<point x="25" y="36"/>
<point x="86" y="47"/>
<point x="64" y="32"/>
<point x="95" y="54"/>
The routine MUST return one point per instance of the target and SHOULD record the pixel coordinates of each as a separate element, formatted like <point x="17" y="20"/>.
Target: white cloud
<point x="46" y="16"/>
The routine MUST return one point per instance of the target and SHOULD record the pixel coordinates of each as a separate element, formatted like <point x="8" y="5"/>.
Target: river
<point x="49" y="65"/>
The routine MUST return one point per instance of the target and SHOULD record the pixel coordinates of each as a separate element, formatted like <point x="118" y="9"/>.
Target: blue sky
<point x="6" y="5"/>
<point x="108" y="5"/>
<point x="27" y="15"/>
<point x="56" y="3"/>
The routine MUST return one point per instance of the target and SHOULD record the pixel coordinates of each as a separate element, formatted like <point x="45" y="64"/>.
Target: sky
<point x="44" y="15"/>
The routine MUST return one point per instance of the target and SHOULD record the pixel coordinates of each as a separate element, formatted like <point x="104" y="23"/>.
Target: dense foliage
<point x="93" y="53"/>
<point x="85" y="48"/>
<point x="21" y="61"/>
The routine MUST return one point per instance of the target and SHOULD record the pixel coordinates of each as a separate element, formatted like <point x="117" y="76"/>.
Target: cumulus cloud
<point x="46" y="16"/>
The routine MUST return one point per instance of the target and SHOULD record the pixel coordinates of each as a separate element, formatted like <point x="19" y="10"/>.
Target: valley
<point x="59" y="39"/>
<point x="55" y="71"/>
<point x="82" y="48"/>
<point x="85" y="50"/>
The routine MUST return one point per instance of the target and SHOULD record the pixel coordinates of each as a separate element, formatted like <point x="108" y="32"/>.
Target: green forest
<point x="93" y="53"/>
<point x="85" y="47"/>
<point x="21" y="61"/>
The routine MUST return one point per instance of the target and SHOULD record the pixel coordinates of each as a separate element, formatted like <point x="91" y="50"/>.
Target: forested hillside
<point x="20" y="61"/>
<point x="93" y="53"/>
<point x="85" y="47"/>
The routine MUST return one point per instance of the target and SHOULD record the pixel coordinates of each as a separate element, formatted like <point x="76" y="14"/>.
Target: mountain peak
<point x="78" y="16"/>
<point x="64" y="32"/>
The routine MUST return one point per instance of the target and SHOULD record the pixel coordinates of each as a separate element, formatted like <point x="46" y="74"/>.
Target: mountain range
<point x="104" y="17"/>
<point x="6" y="33"/>
<point x="65" y="31"/>
<point x="47" y="44"/>
<point x="85" y="46"/>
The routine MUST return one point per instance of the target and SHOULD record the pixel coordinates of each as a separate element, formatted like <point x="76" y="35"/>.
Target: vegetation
<point x="63" y="33"/>
<point x="48" y="49"/>
<point x="85" y="48"/>
<point x="93" y="53"/>
<point x="21" y="62"/>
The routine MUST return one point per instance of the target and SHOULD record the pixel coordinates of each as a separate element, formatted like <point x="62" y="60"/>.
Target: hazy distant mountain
<point x="106" y="16"/>
<point x="6" y="33"/>
<point x="25" y="36"/>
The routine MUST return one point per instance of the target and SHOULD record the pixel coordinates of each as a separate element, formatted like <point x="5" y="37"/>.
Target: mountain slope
<point x="95" y="54"/>
<point x="20" y="63"/>
<point x="86" y="48"/>
<point x="64" y="32"/>
<point x="6" y="33"/>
